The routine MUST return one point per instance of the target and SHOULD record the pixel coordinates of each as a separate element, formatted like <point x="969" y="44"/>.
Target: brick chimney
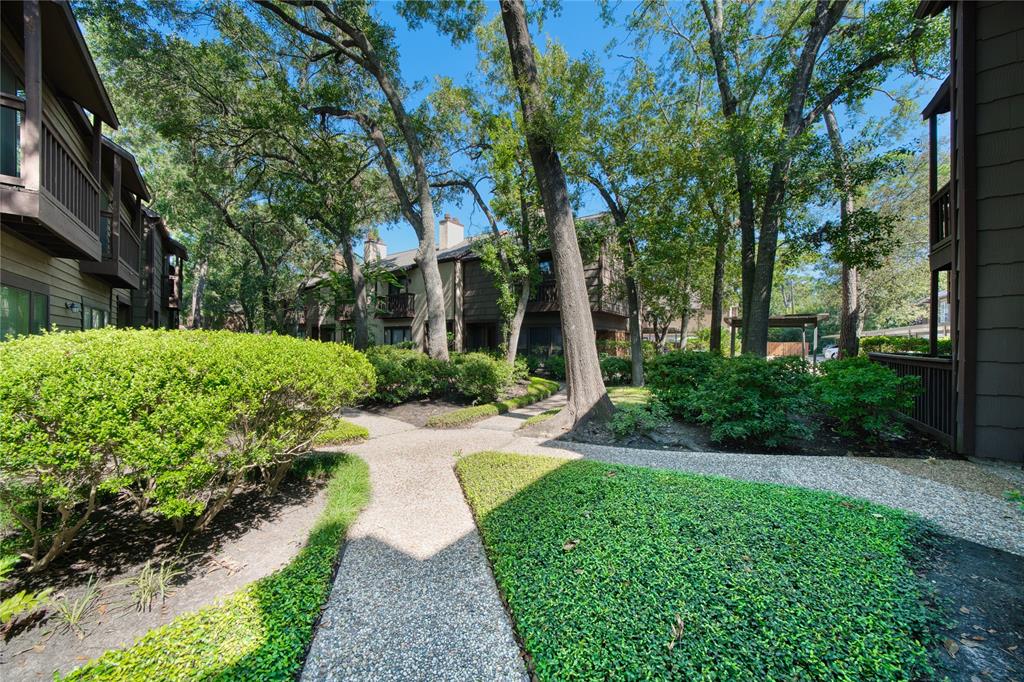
<point x="374" y="248"/>
<point x="451" y="232"/>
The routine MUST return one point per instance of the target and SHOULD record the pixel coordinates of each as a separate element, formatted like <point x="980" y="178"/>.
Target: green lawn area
<point x="616" y="572"/>
<point x="262" y="631"/>
<point x="537" y="389"/>
<point x="628" y="395"/>
<point x="342" y="431"/>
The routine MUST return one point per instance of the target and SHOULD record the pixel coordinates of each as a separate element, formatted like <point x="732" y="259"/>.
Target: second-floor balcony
<point x="120" y="269"/>
<point x="397" y="305"/>
<point x="940" y="228"/>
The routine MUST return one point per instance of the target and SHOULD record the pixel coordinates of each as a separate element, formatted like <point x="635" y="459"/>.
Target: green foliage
<point x="555" y="367"/>
<point x="405" y="374"/>
<point x="675" y="377"/>
<point x="478" y="377"/>
<point x="538" y="389"/>
<point x="616" y="370"/>
<point x="1015" y="496"/>
<point x="863" y="396"/>
<point x="261" y="632"/>
<point x="634" y="573"/>
<point x="755" y="401"/>
<point x="632" y="418"/>
<point x="152" y="583"/>
<point x="173" y="421"/>
<point x="342" y="431"/>
<point x="20" y="603"/>
<point x="71" y="614"/>
<point x="543" y="416"/>
<point x="902" y="344"/>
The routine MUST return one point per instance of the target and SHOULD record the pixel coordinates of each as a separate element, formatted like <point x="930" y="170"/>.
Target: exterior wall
<point x="62" y="277"/>
<point x="999" y="355"/>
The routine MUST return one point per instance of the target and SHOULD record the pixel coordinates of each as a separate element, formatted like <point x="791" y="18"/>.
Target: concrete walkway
<point x="414" y="598"/>
<point x="512" y="420"/>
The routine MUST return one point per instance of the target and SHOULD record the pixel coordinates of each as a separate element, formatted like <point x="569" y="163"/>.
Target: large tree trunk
<point x="515" y="325"/>
<point x="849" y="313"/>
<point x="684" y="322"/>
<point x="718" y="290"/>
<point x="359" y="308"/>
<point x="587" y="397"/>
<point x="195" y="320"/>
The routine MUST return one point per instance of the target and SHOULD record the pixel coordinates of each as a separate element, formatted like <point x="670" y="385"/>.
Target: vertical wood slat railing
<point x="940" y="214"/>
<point x="69" y="182"/>
<point x="128" y="246"/>
<point x="397" y="305"/>
<point x="934" y="407"/>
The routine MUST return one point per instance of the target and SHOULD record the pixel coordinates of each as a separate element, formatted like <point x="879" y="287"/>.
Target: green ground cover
<point x="538" y="389"/>
<point x="616" y="572"/>
<point x="262" y="631"/>
<point x="341" y="432"/>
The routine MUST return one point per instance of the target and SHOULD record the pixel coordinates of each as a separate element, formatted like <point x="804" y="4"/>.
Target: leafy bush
<point x="261" y="632"/>
<point x="755" y="401"/>
<point x="555" y="367"/>
<point x="405" y="374"/>
<point x="902" y="344"/>
<point x="538" y="389"/>
<point x="21" y="603"/>
<point x="615" y="370"/>
<point x="629" y="573"/>
<point x="478" y="377"/>
<point x="631" y="418"/>
<point x="863" y="396"/>
<point x="675" y="377"/>
<point x="621" y="348"/>
<point x="342" y="431"/>
<point x="521" y="369"/>
<point x="174" y="421"/>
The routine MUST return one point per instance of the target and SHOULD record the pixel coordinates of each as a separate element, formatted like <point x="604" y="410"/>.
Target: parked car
<point x="830" y="352"/>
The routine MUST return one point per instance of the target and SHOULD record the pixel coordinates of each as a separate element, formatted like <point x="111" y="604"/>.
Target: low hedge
<point x="628" y="573"/>
<point x="862" y="396"/>
<point x="615" y="370"/>
<point x="263" y="631"/>
<point x="342" y="431"/>
<point x="902" y="344"/>
<point x="405" y="374"/>
<point x="175" y="421"/>
<point x="538" y="389"/>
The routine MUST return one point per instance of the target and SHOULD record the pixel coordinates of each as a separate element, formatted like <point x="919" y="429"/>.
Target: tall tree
<point x="587" y="397"/>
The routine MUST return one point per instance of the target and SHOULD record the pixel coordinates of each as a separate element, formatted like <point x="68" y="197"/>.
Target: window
<point x="395" y="335"/>
<point x="22" y="311"/>
<point x="12" y="111"/>
<point x="94" y="318"/>
<point x="547" y="268"/>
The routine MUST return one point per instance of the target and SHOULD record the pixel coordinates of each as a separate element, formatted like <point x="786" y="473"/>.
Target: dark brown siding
<point x="480" y="299"/>
<point x="999" y="66"/>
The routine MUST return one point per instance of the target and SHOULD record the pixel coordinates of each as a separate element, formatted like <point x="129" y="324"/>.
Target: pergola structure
<point x="801" y="322"/>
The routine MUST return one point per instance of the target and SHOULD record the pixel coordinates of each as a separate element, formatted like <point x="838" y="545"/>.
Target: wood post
<point x="115" y="210"/>
<point x="32" y="125"/>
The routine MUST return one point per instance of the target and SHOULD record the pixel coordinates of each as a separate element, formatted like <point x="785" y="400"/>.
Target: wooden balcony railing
<point x="397" y="305"/>
<point x="547" y="293"/>
<point x="129" y="247"/>
<point x="934" y="406"/>
<point x="172" y="290"/>
<point x="940" y="214"/>
<point x="69" y="182"/>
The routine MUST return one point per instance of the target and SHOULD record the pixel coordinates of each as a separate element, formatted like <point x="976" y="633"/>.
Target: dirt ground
<point x="254" y="536"/>
<point x="990" y="479"/>
<point x="981" y="591"/>
<point x="415" y="412"/>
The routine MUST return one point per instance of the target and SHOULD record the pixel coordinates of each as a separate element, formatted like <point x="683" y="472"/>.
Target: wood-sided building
<point x="72" y="219"/>
<point x="974" y="399"/>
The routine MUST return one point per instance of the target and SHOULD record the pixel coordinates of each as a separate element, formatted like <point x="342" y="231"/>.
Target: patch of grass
<point x="543" y="416"/>
<point x="152" y="583"/>
<point x="538" y="389"/>
<point x="71" y="614"/>
<point x="629" y="395"/>
<point x="262" y="631"/>
<point x="341" y="432"/>
<point x="616" y="572"/>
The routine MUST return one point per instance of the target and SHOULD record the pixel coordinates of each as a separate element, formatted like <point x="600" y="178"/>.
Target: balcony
<point x="172" y="291"/>
<point x="544" y="299"/>
<point x="122" y="271"/>
<point x="934" y="407"/>
<point x="940" y="229"/>
<point x="62" y="218"/>
<point x="397" y="305"/>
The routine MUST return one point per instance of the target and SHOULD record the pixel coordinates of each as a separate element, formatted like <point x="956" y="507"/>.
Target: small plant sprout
<point x="152" y="583"/>
<point x="71" y="613"/>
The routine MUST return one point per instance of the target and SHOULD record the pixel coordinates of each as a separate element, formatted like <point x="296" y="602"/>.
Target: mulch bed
<point x="415" y="412"/>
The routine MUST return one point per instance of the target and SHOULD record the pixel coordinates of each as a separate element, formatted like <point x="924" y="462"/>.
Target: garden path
<point x="414" y="597"/>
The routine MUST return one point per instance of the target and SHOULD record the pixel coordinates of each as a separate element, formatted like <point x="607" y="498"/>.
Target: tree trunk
<point x="636" y="346"/>
<point x="198" y="289"/>
<point x="684" y="322"/>
<point x="849" y="313"/>
<point x="515" y="325"/>
<point x="717" y="290"/>
<point x="587" y="397"/>
<point x="359" y="308"/>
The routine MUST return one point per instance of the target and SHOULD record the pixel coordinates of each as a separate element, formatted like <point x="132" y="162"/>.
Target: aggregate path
<point x="414" y="598"/>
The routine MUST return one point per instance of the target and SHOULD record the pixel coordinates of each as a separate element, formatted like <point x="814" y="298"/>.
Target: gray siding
<point x="1000" y="210"/>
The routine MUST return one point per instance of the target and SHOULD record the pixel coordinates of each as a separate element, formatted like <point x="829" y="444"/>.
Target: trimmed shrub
<point x="174" y="421"/>
<point x="478" y="377"/>
<point x="342" y="431"/>
<point x="674" y="377"/>
<point x="538" y="389"/>
<point x="555" y="367"/>
<point x="863" y="396"/>
<point x="405" y="374"/>
<point x="616" y="370"/>
<point x="755" y="401"/>
<point x="631" y="418"/>
<point x="902" y="344"/>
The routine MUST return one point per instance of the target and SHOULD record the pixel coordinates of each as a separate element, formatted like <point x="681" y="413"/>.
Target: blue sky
<point x="426" y="55"/>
